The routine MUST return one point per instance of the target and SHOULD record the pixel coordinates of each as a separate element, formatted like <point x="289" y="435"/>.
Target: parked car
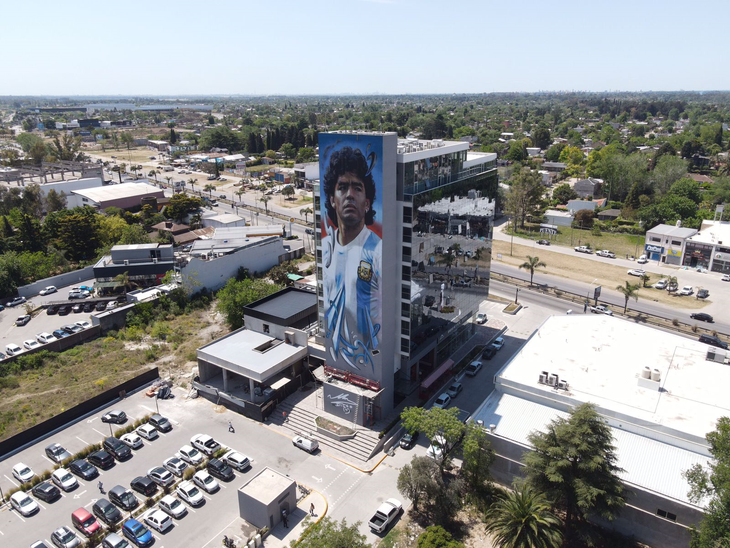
<point x="48" y="290"/>
<point x="642" y="260"/>
<point x="83" y="469"/>
<point x="686" y="291"/>
<point x="584" y="249"/>
<point x="116" y="448"/>
<point x="543" y="242"/>
<point x="123" y="498"/>
<point x="22" y="320"/>
<point x="606" y="253"/>
<point x="205" y="481"/>
<point x="64" y="310"/>
<point x="473" y="368"/>
<point x="190" y="455"/>
<point x="31" y="344"/>
<point x="60" y="334"/>
<point x="78" y="308"/>
<point x="64" y="480"/>
<point x="158" y="520"/>
<point x="443" y="401"/>
<point x="53" y="309"/>
<point x="45" y="338"/>
<point x="147" y="431"/>
<point x="137" y="533"/>
<point x="63" y="537"/>
<point x="409" y="439"/>
<point x="160" y="423"/>
<point x="106" y="511"/>
<point x="85" y="522"/>
<point x="713" y="341"/>
<point x="601" y="309"/>
<point x="100" y="306"/>
<point x="188" y="492"/>
<point x="307" y="444"/>
<point x="13" y="349"/>
<point x="46" y="491"/>
<point x="23" y="504"/>
<point x="57" y="453"/>
<point x="498" y="343"/>
<point x="489" y="352"/>
<point x="89" y="307"/>
<point x="175" y="465"/>
<point x="172" y="506"/>
<point x="132" y="440"/>
<point x="455" y="389"/>
<point x="219" y="469"/>
<point x="15" y="302"/>
<point x="205" y="443"/>
<point x="112" y="540"/>
<point x="703" y="293"/>
<point x="636" y="272"/>
<point x="661" y="284"/>
<point x="436" y="449"/>
<point x="236" y="460"/>
<point x="144" y="485"/>
<point x="22" y="472"/>
<point x="702" y="316"/>
<point x="429" y="301"/>
<point x="161" y="476"/>
<point x="726" y="277"/>
<point x="481" y="318"/>
<point x="101" y="459"/>
<point x="83" y="324"/>
<point x="117" y="416"/>
<point x="385" y="515"/>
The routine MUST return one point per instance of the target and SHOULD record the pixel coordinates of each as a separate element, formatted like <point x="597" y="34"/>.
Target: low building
<point x="609" y="214"/>
<point x="123" y="195"/>
<point x="588" y="188"/>
<point x="710" y="247"/>
<point x="576" y="205"/>
<point x="222" y="220"/>
<point x="555" y="167"/>
<point x="145" y="264"/>
<point x="666" y="243"/>
<point x="660" y="394"/>
<point x="264" y="497"/>
<point x="70" y="185"/>
<point x="559" y="218"/>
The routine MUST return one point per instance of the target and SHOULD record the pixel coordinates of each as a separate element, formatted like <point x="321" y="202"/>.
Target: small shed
<point x="261" y="500"/>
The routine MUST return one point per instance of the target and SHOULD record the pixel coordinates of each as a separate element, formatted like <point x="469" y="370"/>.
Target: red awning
<point x="433" y="377"/>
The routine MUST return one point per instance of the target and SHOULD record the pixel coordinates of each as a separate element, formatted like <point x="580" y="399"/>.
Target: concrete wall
<point x="67" y="186"/>
<point x="61" y="280"/>
<point x="267" y="513"/>
<point x="255" y="324"/>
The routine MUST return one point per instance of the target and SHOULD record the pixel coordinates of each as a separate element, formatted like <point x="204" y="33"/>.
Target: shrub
<point x="150" y="502"/>
<point x="694" y="328"/>
<point x="675" y="322"/>
<point x="189" y="473"/>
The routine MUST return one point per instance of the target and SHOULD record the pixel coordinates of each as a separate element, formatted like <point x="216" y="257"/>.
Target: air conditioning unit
<point x="563" y="385"/>
<point x="553" y="379"/>
<point x="126" y="262"/>
<point x="543" y="377"/>
<point x="154" y="260"/>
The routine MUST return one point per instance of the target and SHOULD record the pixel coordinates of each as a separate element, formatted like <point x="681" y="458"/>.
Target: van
<point x="309" y="445"/>
<point x="713" y="341"/>
<point x="168" y="168"/>
<point x="85" y="522"/>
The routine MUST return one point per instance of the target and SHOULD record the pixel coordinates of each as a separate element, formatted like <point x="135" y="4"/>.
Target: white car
<point x="83" y="324"/>
<point x="148" y="432"/>
<point x="686" y="290"/>
<point x="481" y="318"/>
<point x="636" y="272"/>
<point x="64" y="479"/>
<point x="22" y="472"/>
<point x="13" y="349"/>
<point x="498" y="343"/>
<point x="175" y="465"/>
<point x="205" y="481"/>
<point x="31" y="344"/>
<point x="173" y="507"/>
<point x="188" y="492"/>
<point x="23" y="503"/>
<point x="205" y="443"/>
<point x="236" y="460"/>
<point x="45" y="338"/>
<point x="642" y="260"/>
<point x="473" y="368"/>
<point x="158" y="520"/>
<point x="436" y="449"/>
<point x="726" y="277"/>
<point x="48" y="290"/>
<point x="132" y="440"/>
<point x="190" y="455"/>
<point x="443" y="401"/>
<point x="661" y="284"/>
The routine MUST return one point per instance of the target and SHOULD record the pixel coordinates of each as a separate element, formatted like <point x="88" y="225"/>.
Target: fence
<point x="43" y="429"/>
<point x="60" y="280"/>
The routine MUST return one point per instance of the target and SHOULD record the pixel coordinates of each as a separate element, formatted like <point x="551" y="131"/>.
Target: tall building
<point x="403" y="259"/>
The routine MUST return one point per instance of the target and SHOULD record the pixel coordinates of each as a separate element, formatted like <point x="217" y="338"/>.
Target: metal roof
<point x="672" y="230"/>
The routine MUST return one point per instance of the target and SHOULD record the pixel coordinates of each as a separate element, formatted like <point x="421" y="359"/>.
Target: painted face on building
<point x="349" y="201"/>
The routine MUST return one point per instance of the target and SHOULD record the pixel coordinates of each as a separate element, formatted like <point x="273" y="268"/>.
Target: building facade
<point x="709" y="248"/>
<point x="395" y="301"/>
<point x="666" y="243"/>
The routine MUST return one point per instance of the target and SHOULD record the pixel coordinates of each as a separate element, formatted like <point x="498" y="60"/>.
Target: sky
<point x="335" y="47"/>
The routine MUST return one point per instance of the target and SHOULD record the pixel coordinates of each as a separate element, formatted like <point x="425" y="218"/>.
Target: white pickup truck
<point x="606" y="253"/>
<point x="584" y="249"/>
<point x="601" y="309"/>
<point x="385" y="514"/>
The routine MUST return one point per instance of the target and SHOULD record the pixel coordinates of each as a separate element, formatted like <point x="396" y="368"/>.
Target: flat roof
<point x="672" y="230"/>
<point x="713" y="233"/>
<point x="115" y="192"/>
<point x="602" y="359"/>
<point x="267" y="485"/>
<point x="285" y="304"/>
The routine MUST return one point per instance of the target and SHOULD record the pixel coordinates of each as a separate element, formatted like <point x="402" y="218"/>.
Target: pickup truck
<point x="601" y="309"/>
<point x="584" y="249"/>
<point x="606" y="253"/>
<point x="385" y="514"/>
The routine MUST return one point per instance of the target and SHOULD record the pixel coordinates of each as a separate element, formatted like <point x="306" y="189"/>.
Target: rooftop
<point x="115" y="192"/>
<point x="673" y="230"/>
<point x="713" y="233"/>
<point x="267" y="485"/>
<point x="285" y="304"/>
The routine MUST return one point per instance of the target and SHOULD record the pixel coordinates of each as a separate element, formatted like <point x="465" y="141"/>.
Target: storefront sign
<point x="654" y="248"/>
<point x="674" y="252"/>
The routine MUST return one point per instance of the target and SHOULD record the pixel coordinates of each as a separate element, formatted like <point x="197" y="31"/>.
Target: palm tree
<point x="153" y="173"/>
<point x="124" y="281"/>
<point x="306" y="212"/>
<point x="168" y="179"/>
<point x="192" y="182"/>
<point x="265" y="201"/>
<point x="672" y="283"/>
<point x="628" y="291"/>
<point x="209" y="189"/>
<point x="532" y="264"/>
<point x="524" y="519"/>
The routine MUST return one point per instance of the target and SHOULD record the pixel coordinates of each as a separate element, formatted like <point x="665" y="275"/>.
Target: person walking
<point x="284" y="518"/>
<point x="230" y="427"/>
<point x="101" y="487"/>
<point x="311" y="509"/>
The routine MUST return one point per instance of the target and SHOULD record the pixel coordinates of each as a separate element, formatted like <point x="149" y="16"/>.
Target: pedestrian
<point x="284" y="519"/>
<point x="311" y="509"/>
<point x="101" y="487"/>
<point x="230" y="427"/>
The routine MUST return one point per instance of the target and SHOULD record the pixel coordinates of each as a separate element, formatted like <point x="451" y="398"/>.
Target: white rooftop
<point x="558" y="213"/>
<point x="115" y="192"/>
<point x="713" y="233"/>
<point x="673" y="231"/>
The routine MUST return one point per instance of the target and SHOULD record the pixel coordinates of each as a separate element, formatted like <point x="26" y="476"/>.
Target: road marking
<point x="21" y="517"/>
<point x="328" y="466"/>
<point x="82" y="441"/>
<point x="39" y="504"/>
<point x="49" y="460"/>
<point x="11" y="481"/>
<point x="220" y="532"/>
<point x="318" y="480"/>
<point x="78" y="495"/>
<point x="92" y="420"/>
<point x="100" y="433"/>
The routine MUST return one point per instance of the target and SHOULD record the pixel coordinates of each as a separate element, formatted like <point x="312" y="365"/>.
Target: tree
<point x="181" y="205"/>
<point x="133" y="234"/>
<point x="287" y="191"/>
<point x="221" y="137"/>
<point x="532" y="264"/>
<point x="444" y="422"/>
<point x="279" y="273"/>
<point x="584" y="218"/>
<point x="669" y="169"/>
<point x="517" y="152"/>
<point x="574" y="464"/>
<point x="328" y="533"/>
<point x="306" y="211"/>
<point x="525" y="196"/>
<point x="38" y="152"/>
<point x="153" y="173"/>
<point x="265" y="200"/>
<point x="524" y="519"/>
<point x="305" y="154"/>
<point x="436" y="536"/>
<point x="127" y="139"/>
<point x="66" y="148"/>
<point x="209" y="188"/>
<point x="418" y="480"/>
<point x="123" y="281"/>
<point x="553" y="153"/>
<point x="77" y="233"/>
<point x="628" y="291"/>
<point x="563" y="193"/>
<point x="712" y="485"/>
<point x="192" y="182"/>
<point x="687" y="188"/>
<point x="288" y="150"/>
<point x="236" y="295"/>
<point x="541" y="138"/>
<point x="477" y="457"/>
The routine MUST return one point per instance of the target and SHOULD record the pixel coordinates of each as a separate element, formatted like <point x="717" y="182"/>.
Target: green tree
<point x="181" y="205"/>
<point x="124" y="282"/>
<point x="436" y="536"/>
<point x="584" y="218"/>
<point x="236" y="295"/>
<point x="287" y="191"/>
<point x="524" y="198"/>
<point x="221" y="137"/>
<point x="532" y="264"/>
<point x="127" y="139"/>
<point x="541" y="138"/>
<point x="306" y="211"/>
<point x="328" y="533"/>
<point x="209" y="188"/>
<point x="28" y="140"/>
<point x="279" y="273"/>
<point x="668" y="170"/>
<point x="38" y="152"/>
<point x="153" y="173"/>
<point x="711" y="486"/>
<point x="574" y="464"/>
<point x="288" y="150"/>
<point x="629" y="291"/>
<point x="66" y="147"/>
<point x="553" y="153"/>
<point x="517" y="152"/>
<point x="304" y="155"/>
<point x="687" y="188"/>
<point x="563" y="193"/>
<point x="477" y="457"/>
<point x="134" y="234"/>
<point x="192" y="182"/>
<point x="418" y="480"/>
<point x="444" y="422"/>
<point x="77" y="233"/>
<point x="111" y="228"/>
<point x="524" y="519"/>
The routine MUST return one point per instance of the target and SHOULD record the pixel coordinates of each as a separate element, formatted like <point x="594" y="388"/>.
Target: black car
<point x="543" y="242"/>
<point x="83" y="469"/>
<point x="124" y="498"/>
<point x="89" y="307"/>
<point x="409" y="440"/>
<point x="429" y="300"/>
<point x="65" y="310"/>
<point x="100" y="306"/>
<point x="219" y="469"/>
<point x="703" y="294"/>
<point x="489" y="352"/>
<point x="116" y="416"/>
<point x="713" y="341"/>
<point x="46" y="491"/>
<point x="160" y="423"/>
<point x="117" y="448"/>
<point x="106" y="511"/>
<point x="102" y="459"/>
<point x="144" y="485"/>
<point x="702" y="316"/>
<point x="53" y="309"/>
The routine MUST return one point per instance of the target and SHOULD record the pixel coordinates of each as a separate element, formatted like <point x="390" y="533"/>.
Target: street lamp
<point x="517" y="290"/>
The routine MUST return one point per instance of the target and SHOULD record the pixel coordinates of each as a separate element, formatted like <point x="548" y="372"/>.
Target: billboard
<point x="351" y="198"/>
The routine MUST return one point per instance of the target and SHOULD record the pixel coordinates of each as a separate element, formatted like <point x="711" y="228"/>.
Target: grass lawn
<point x="620" y="244"/>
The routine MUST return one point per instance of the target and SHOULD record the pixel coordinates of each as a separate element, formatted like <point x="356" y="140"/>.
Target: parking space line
<point x="39" y="504"/>
<point x="49" y="460"/>
<point x="11" y="481"/>
<point x="102" y="434"/>
<point x="220" y="532"/>
<point x="19" y="516"/>
<point x="82" y="441"/>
